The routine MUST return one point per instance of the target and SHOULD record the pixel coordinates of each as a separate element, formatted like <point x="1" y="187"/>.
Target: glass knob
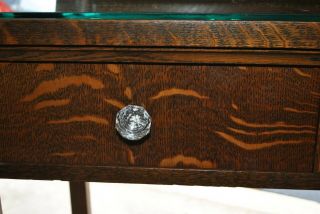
<point x="133" y="122"/>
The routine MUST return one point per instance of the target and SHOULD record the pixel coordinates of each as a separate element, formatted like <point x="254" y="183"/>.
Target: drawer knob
<point x="133" y="122"/>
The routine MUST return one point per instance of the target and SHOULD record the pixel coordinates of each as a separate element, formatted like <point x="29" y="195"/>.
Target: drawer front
<point x="217" y="117"/>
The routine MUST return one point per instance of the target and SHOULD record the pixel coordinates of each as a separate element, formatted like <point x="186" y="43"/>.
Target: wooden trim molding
<point x="159" y="55"/>
<point x="162" y="176"/>
<point x="165" y="33"/>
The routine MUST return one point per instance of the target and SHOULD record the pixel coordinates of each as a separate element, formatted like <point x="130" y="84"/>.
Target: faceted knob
<point x="133" y="122"/>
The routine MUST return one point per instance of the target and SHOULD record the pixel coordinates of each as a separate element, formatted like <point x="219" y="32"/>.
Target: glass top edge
<point x="165" y="16"/>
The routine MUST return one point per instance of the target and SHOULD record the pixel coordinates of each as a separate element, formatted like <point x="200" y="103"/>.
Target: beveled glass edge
<point x="166" y="16"/>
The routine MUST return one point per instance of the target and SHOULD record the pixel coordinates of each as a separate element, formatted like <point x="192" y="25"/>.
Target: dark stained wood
<point x="194" y="6"/>
<point x="161" y="33"/>
<point x="160" y="55"/>
<point x="163" y="176"/>
<point x="80" y="197"/>
<point x="233" y="103"/>
<point x="217" y="117"/>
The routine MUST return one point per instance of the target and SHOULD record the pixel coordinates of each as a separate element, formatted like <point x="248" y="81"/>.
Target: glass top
<point x="256" y="10"/>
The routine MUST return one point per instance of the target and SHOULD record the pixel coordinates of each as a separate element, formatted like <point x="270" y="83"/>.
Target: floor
<point x="52" y="197"/>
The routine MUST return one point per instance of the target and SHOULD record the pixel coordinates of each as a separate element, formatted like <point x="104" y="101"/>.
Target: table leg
<point x="80" y="197"/>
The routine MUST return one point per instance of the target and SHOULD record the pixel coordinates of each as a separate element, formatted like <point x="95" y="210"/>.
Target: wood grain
<point x="220" y="117"/>
<point x="161" y="33"/>
<point x="163" y="176"/>
<point x="160" y="55"/>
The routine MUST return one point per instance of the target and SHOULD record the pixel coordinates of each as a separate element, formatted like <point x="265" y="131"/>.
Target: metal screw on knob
<point x="133" y="122"/>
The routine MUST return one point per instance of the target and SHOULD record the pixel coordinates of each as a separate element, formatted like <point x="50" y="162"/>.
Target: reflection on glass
<point x="273" y="10"/>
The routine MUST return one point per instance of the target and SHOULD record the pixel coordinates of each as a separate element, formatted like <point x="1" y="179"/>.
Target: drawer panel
<point x="217" y="117"/>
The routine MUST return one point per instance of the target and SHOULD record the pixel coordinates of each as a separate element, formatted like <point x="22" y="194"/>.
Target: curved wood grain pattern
<point x="51" y="103"/>
<point x="86" y="118"/>
<point x="263" y="125"/>
<point x="186" y="161"/>
<point x="178" y="91"/>
<point x="256" y="146"/>
<point x="115" y="103"/>
<point x="165" y="33"/>
<point x="301" y="73"/>
<point x="240" y="124"/>
<point x="60" y="83"/>
<point x="299" y="111"/>
<point x="131" y="158"/>
<point x="255" y="133"/>
<point x="128" y="93"/>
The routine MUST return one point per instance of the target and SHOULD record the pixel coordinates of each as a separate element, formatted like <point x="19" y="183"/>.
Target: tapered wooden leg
<point x="80" y="198"/>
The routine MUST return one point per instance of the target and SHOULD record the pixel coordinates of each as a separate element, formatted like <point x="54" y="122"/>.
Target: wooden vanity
<point x="233" y="94"/>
